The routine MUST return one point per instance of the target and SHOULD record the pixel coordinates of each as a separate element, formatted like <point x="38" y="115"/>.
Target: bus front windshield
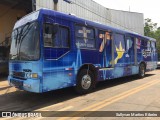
<point x="25" y="43"/>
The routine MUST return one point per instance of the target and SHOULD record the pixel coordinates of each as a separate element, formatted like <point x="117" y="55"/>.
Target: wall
<point x="44" y="4"/>
<point x="128" y="20"/>
<point x="91" y="10"/>
<point x="8" y="17"/>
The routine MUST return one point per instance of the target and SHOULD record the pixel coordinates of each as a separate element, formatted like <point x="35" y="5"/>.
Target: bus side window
<point x="119" y="42"/>
<point x="153" y="46"/>
<point x="47" y="35"/>
<point x="138" y="43"/>
<point x="64" y="37"/>
<point x="129" y="43"/>
<point x="104" y="40"/>
<point x="58" y="40"/>
<point x="85" y="37"/>
<point x="146" y="44"/>
<point x="61" y="39"/>
<point x="120" y="48"/>
<point x="149" y="45"/>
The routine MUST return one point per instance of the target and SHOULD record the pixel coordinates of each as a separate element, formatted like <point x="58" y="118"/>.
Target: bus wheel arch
<point x="142" y="69"/>
<point x="86" y="79"/>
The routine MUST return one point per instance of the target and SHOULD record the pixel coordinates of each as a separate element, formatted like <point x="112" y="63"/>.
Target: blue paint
<point x="58" y="67"/>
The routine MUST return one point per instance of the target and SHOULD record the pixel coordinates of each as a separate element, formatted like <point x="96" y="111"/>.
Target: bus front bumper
<point x="30" y="85"/>
<point x="158" y="64"/>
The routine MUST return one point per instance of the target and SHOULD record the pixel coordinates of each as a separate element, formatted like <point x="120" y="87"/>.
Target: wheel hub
<point x="86" y="82"/>
<point x="142" y="71"/>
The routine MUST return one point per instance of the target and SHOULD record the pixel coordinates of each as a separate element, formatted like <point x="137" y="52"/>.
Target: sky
<point x="150" y="8"/>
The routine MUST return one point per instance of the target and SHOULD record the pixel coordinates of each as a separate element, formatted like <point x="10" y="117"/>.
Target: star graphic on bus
<point x="120" y="51"/>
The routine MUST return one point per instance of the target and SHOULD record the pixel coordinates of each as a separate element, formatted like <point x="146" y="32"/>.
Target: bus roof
<point x="91" y="23"/>
<point x="81" y="21"/>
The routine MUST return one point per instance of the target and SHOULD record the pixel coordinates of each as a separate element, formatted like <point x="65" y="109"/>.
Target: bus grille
<point x="19" y="75"/>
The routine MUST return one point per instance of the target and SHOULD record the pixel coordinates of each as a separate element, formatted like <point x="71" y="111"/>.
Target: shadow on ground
<point x="26" y="101"/>
<point x="3" y="77"/>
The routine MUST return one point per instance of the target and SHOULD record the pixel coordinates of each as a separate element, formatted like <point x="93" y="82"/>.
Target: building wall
<point x="128" y="20"/>
<point x="8" y="17"/>
<point x="91" y="10"/>
<point x="44" y="4"/>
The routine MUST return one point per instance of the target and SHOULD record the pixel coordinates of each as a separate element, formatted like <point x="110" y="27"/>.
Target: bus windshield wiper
<point x="23" y="33"/>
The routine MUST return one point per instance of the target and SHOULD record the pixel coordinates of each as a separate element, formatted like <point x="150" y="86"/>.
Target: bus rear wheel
<point x="85" y="82"/>
<point x="142" y="70"/>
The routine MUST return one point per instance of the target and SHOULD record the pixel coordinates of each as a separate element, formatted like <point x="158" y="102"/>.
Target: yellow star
<point x="120" y="52"/>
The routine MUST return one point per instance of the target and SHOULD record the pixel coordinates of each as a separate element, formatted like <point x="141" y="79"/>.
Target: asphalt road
<point x="123" y="94"/>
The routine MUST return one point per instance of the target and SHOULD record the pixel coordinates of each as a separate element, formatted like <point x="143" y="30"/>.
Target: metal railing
<point x="7" y="41"/>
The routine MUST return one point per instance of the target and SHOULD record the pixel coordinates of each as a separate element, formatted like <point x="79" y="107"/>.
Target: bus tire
<point x="142" y="70"/>
<point x="85" y="82"/>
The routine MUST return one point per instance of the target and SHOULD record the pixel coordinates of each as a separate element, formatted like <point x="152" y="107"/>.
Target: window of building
<point x="85" y="37"/>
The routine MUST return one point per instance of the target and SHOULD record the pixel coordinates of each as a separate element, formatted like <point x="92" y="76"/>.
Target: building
<point x="10" y="12"/>
<point x="93" y="11"/>
<point x="13" y="10"/>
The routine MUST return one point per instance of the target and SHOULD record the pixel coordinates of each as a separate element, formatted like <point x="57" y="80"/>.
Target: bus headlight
<point x="34" y="75"/>
<point x="28" y="75"/>
<point x="11" y="73"/>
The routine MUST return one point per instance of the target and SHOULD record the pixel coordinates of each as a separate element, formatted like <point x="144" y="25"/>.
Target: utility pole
<point x="33" y="5"/>
<point x="55" y="6"/>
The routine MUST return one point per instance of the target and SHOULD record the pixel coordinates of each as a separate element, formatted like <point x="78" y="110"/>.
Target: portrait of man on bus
<point x="105" y="38"/>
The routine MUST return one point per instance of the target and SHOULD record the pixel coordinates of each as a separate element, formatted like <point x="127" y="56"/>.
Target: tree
<point x="149" y="28"/>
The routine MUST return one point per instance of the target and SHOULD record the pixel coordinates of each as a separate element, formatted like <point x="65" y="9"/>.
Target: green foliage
<point x="149" y="28"/>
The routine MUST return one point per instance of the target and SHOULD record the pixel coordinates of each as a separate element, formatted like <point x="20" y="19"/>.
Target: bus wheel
<point x="85" y="82"/>
<point x="142" y="70"/>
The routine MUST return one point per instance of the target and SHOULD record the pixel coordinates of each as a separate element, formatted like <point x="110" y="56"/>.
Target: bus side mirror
<point x="55" y="28"/>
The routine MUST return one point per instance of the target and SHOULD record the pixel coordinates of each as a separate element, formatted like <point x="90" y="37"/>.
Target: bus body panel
<point x="59" y="73"/>
<point x="111" y="73"/>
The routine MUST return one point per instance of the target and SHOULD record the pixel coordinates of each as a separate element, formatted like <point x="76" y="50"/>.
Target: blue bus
<point x="51" y="50"/>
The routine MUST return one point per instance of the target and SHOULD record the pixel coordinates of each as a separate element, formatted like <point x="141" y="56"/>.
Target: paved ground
<point x="124" y="94"/>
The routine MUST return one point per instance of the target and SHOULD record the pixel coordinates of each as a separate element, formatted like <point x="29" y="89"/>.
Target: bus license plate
<point x="17" y="83"/>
